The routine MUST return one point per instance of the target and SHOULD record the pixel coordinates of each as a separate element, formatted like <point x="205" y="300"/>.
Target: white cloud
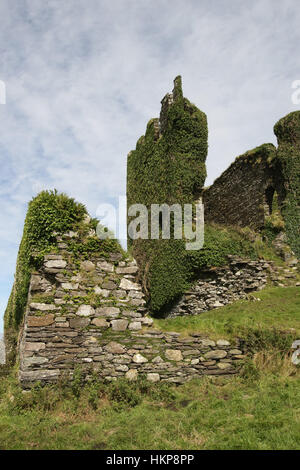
<point x="83" y="78"/>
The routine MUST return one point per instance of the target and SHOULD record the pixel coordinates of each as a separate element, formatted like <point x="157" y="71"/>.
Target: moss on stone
<point x="262" y="153"/>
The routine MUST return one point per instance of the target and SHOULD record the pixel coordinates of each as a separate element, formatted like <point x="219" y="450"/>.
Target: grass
<point x="260" y="409"/>
<point x="251" y="412"/>
<point x="279" y="307"/>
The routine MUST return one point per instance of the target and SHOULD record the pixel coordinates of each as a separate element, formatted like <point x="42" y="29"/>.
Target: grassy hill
<point x="258" y="410"/>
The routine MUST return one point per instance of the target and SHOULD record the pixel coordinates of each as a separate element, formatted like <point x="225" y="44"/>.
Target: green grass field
<point x="260" y="409"/>
<point x="279" y="307"/>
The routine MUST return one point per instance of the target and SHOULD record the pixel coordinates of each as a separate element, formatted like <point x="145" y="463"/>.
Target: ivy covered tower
<point x="167" y="167"/>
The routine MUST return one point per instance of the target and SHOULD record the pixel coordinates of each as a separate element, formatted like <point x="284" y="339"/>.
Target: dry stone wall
<point x="220" y="286"/>
<point x="91" y="314"/>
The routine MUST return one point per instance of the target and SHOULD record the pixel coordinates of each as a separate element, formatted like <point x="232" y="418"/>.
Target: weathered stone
<point x="147" y="321"/>
<point x="217" y="354"/>
<point x="128" y="270"/>
<point x="208" y="342"/>
<point x="110" y="312"/>
<point x="85" y="311"/>
<point x="69" y="286"/>
<point x="64" y="324"/>
<point x="115" y="348"/>
<point x="34" y="346"/>
<point x="235" y="352"/>
<point x="217" y="304"/>
<point x="191" y="352"/>
<point x="39" y="283"/>
<point x="135" y="294"/>
<point x="119" y="325"/>
<point x="35" y="360"/>
<point x="100" y="322"/>
<point x="59" y="302"/>
<point x="122" y="368"/>
<point x="87" y="266"/>
<point x="129" y="285"/>
<point x="59" y="264"/>
<point x="103" y="292"/>
<point x="223" y="342"/>
<point x="44" y="320"/>
<point x="79" y="322"/>
<point x="138" y="302"/>
<point x="104" y="266"/>
<point x="132" y="314"/>
<point x="63" y="358"/>
<point x="109" y="285"/>
<point x="139" y="359"/>
<point x="224" y="365"/>
<point x="296" y="357"/>
<point x="135" y="325"/>
<point x="115" y="257"/>
<point x="153" y="377"/>
<point x="119" y="293"/>
<point x="131" y="375"/>
<point x="195" y="361"/>
<point x="173" y="354"/>
<point x="157" y="360"/>
<point x="43" y="307"/>
<point x="40" y="374"/>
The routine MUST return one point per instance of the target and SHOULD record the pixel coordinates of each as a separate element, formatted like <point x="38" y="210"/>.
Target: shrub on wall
<point x="49" y="212"/>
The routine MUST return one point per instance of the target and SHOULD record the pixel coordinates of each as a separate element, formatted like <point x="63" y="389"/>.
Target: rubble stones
<point x="221" y="286"/>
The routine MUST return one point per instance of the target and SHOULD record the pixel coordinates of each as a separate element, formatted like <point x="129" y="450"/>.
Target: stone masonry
<point x="91" y="314"/>
<point x="220" y="286"/>
<point x="243" y="194"/>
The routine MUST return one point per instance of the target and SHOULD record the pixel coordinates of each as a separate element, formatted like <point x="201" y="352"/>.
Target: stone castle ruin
<point x="82" y="302"/>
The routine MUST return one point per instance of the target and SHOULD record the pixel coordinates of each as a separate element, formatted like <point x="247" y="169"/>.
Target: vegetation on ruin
<point x="170" y="168"/>
<point x="257" y="410"/>
<point x="277" y="310"/>
<point x="49" y="214"/>
<point x="264" y="152"/>
<point x="168" y="269"/>
<point x="287" y="131"/>
<point x="165" y="169"/>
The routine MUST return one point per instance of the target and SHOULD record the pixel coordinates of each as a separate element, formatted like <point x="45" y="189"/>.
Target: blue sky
<point x="83" y="77"/>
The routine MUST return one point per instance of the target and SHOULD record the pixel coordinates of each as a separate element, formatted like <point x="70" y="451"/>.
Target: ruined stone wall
<point x="220" y="286"/>
<point x="91" y="314"/>
<point x="242" y="195"/>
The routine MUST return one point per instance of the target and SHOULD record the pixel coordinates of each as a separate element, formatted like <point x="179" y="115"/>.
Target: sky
<point x="83" y="77"/>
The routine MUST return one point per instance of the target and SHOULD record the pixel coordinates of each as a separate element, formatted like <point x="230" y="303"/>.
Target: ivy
<point x="49" y="213"/>
<point x="287" y="131"/>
